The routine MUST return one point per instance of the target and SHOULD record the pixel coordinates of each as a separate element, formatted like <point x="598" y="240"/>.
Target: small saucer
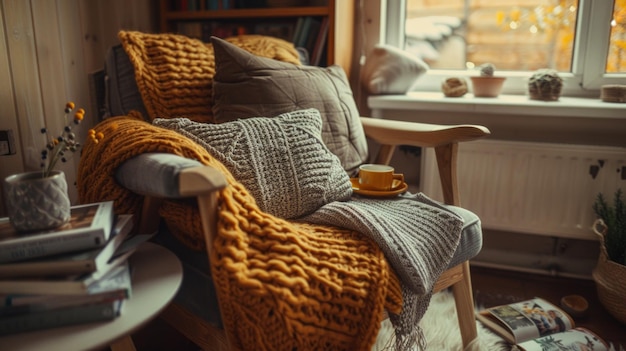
<point x="398" y="188"/>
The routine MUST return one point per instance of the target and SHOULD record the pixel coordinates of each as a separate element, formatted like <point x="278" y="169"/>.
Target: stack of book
<point x="74" y="274"/>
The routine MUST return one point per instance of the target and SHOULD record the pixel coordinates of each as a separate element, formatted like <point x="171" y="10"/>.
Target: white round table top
<point x="157" y="275"/>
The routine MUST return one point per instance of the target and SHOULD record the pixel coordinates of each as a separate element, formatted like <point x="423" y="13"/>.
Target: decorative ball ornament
<point x="454" y="87"/>
<point x="545" y="84"/>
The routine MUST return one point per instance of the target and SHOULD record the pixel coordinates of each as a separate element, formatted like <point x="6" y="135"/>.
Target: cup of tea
<point x="378" y="177"/>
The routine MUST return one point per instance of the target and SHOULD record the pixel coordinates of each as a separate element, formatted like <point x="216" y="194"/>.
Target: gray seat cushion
<point x="471" y="237"/>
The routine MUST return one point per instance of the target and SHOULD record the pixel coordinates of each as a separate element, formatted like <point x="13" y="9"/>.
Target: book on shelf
<point x="72" y="315"/>
<point x="89" y="227"/>
<point x="297" y="31"/>
<point x="320" y="42"/>
<point x="302" y="36"/>
<point x="312" y="34"/>
<point x="72" y="284"/>
<point x="535" y="324"/>
<point x="74" y="262"/>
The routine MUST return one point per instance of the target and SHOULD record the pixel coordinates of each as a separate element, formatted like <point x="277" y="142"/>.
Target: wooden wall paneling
<point x="103" y="19"/>
<point x="91" y="28"/>
<point x="26" y="88"/>
<point x="54" y="76"/>
<point x="48" y="47"/>
<point x="100" y="23"/>
<point x="10" y="164"/>
<point x="73" y="63"/>
<point x="340" y="45"/>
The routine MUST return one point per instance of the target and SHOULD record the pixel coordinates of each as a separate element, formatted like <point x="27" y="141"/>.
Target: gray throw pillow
<point x="282" y="160"/>
<point x="246" y="85"/>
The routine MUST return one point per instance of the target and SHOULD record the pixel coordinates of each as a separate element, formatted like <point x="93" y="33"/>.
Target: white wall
<point x="47" y="47"/>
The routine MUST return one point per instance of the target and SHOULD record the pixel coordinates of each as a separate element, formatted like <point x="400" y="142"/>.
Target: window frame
<point x="591" y="46"/>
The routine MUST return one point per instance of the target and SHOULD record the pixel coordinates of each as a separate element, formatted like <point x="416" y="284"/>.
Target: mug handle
<point x="400" y="177"/>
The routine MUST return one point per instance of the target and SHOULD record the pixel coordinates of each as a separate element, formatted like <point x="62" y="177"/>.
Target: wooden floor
<point x="494" y="287"/>
<point x="491" y="287"/>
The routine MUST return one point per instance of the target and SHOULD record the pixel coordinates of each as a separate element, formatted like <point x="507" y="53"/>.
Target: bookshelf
<point x="202" y="18"/>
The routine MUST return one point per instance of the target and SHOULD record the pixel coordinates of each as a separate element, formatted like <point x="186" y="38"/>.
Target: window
<point x="584" y="40"/>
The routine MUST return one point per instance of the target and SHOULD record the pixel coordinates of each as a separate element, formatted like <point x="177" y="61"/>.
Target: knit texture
<point x="418" y="237"/>
<point x="281" y="285"/>
<point x="282" y="161"/>
<point x="174" y="73"/>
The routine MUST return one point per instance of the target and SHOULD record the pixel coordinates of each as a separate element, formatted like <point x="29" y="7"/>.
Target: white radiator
<point x="534" y="188"/>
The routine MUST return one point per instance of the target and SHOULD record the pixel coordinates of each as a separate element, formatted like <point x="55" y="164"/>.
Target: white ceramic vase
<point x="35" y="202"/>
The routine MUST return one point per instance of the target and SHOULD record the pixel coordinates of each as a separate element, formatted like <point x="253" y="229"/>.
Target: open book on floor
<point x="536" y="324"/>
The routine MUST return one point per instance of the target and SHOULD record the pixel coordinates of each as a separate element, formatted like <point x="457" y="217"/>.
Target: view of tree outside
<point x="518" y="35"/>
<point x="616" y="62"/>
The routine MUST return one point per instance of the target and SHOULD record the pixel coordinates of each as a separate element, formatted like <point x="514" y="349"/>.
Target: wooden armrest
<point x="163" y="175"/>
<point x="391" y="132"/>
<point x="196" y="181"/>
<point x="160" y="176"/>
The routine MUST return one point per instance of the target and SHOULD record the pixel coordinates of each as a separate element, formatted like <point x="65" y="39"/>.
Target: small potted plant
<point x="610" y="272"/>
<point x="486" y="84"/>
<point x="545" y="85"/>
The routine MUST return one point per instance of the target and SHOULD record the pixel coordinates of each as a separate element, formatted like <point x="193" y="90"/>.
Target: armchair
<point x="175" y="168"/>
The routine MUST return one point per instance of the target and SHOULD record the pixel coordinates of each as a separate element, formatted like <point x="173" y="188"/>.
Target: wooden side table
<point x="156" y="278"/>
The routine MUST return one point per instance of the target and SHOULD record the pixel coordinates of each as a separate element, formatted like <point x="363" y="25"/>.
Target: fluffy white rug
<point x="441" y="330"/>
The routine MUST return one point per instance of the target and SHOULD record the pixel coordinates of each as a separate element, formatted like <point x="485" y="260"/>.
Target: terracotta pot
<point x="484" y="86"/>
<point x="35" y="202"/>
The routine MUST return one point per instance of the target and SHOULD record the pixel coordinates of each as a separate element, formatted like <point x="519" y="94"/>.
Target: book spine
<point x="59" y="317"/>
<point x="53" y="244"/>
<point x="320" y="42"/>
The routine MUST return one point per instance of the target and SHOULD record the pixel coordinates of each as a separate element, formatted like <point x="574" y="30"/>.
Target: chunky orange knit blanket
<point x="281" y="285"/>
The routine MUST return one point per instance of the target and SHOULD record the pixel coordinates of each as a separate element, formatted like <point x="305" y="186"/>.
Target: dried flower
<point x="57" y="148"/>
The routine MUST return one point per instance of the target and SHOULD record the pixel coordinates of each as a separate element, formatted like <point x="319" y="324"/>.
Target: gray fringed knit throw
<point x="418" y="237"/>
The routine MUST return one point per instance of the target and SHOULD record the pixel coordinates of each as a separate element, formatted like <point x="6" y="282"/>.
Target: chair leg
<point x="464" y="302"/>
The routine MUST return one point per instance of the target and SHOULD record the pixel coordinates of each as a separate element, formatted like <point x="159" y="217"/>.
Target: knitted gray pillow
<point x="282" y="160"/>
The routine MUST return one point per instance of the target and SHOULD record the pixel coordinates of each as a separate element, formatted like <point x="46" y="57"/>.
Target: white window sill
<point x="504" y="104"/>
<point x="570" y="120"/>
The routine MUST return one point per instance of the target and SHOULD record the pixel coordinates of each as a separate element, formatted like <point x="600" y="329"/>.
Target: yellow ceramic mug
<point x="378" y="177"/>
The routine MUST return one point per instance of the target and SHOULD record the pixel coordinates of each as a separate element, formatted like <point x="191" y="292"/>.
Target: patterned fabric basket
<point x="610" y="278"/>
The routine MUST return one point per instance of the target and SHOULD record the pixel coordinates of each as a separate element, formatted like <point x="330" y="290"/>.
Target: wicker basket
<point x="610" y="278"/>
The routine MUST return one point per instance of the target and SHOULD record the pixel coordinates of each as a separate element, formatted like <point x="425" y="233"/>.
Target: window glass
<point x="514" y="35"/>
<point x="616" y="60"/>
